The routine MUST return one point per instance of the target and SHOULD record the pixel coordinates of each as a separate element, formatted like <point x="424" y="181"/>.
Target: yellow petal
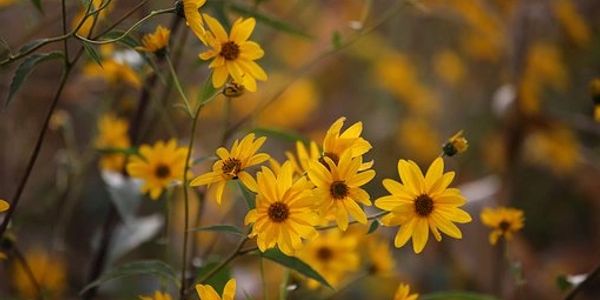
<point x="420" y="235"/>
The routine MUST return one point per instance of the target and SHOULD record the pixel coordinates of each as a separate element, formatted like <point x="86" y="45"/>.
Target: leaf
<point x="336" y="40"/>
<point x="142" y="267"/>
<point x="269" y="20"/>
<point x="38" y="5"/>
<point x="207" y="91"/>
<point x="220" y="228"/>
<point x="281" y="134"/>
<point x="91" y="52"/>
<point x="295" y="264"/>
<point x="25" y="68"/>
<point x="219" y="279"/>
<point x="563" y="283"/>
<point x="248" y="195"/>
<point x="374" y="225"/>
<point x="30" y="45"/>
<point x="456" y="296"/>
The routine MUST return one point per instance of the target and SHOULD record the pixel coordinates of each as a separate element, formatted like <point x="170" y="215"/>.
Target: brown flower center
<point x="278" y="212"/>
<point x="231" y="166"/>
<point x="423" y="205"/>
<point x="338" y="190"/>
<point x="162" y="171"/>
<point x="230" y="50"/>
<point x="324" y="253"/>
<point x="504" y="225"/>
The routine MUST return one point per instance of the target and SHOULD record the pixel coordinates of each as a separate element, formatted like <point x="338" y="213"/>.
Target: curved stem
<point x="179" y="88"/>
<point x="375" y="216"/>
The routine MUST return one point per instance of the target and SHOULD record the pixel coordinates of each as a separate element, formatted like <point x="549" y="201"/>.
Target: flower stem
<point x="375" y="216"/>
<point x="179" y="88"/>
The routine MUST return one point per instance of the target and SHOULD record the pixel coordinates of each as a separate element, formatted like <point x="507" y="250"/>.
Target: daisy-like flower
<point x="403" y="293"/>
<point x="114" y="72"/>
<point x="283" y="215"/>
<point x="207" y="292"/>
<point x="338" y="188"/>
<point x="4" y="206"/>
<point x="232" y="165"/>
<point x="504" y="221"/>
<point x="304" y="155"/>
<point x="156" y="42"/>
<point x="332" y="255"/>
<point x="456" y="144"/>
<point x="112" y="133"/>
<point x="422" y="203"/>
<point x="157" y="296"/>
<point x="380" y="259"/>
<point x="337" y="142"/>
<point x="233" y="55"/>
<point x="158" y="166"/>
<point x="193" y="19"/>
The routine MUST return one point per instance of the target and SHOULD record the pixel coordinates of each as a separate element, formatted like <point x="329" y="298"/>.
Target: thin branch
<point x="375" y="216"/>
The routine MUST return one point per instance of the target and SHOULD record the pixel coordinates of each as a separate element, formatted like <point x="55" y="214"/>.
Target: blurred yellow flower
<point x="232" y="165"/>
<point x="304" y="155"/>
<point x="113" y="72"/>
<point x="233" y="55"/>
<point x="207" y="292"/>
<point x="158" y="166"/>
<point x="380" y="259"/>
<point x="157" y="296"/>
<point x="456" y="144"/>
<point x="4" y="206"/>
<point x="338" y="188"/>
<point x="193" y="19"/>
<point x="418" y="139"/>
<point x="403" y="293"/>
<point x="92" y="20"/>
<point x="332" y="255"/>
<point x="555" y="147"/>
<point x="157" y="41"/>
<point x="504" y="221"/>
<point x="49" y="272"/>
<point x="422" y="203"/>
<point x="4" y="3"/>
<point x="112" y="133"/>
<point x="336" y="142"/>
<point x="572" y="21"/>
<point x="449" y="67"/>
<point x="283" y="215"/>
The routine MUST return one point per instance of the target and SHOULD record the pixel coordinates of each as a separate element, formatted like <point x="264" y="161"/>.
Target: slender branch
<point x="178" y="86"/>
<point x="39" y="295"/>
<point x="122" y="18"/>
<point x="375" y="216"/>
<point x="588" y="280"/>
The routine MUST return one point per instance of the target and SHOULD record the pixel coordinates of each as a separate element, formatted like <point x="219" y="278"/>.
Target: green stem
<point x="178" y="85"/>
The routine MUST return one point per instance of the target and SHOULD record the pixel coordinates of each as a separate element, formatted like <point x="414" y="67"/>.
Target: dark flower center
<point x="162" y="171"/>
<point x="338" y="190"/>
<point x="278" y="212"/>
<point x="230" y="50"/>
<point x="231" y="166"/>
<point x="504" y="226"/>
<point x="324" y="254"/>
<point x="423" y="205"/>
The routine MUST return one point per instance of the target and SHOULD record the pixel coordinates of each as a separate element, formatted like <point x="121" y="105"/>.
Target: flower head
<point x="232" y="165"/>
<point x="456" y="144"/>
<point x="157" y="296"/>
<point x="422" y="203"/>
<point x="193" y="19"/>
<point x="338" y="188"/>
<point x="504" y="221"/>
<point x="403" y="293"/>
<point x="50" y="273"/>
<point x="157" y="41"/>
<point x="112" y="133"/>
<point x="337" y="142"/>
<point x="4" y="206"/>
<point x="304" y="155"/>
<point x="283" y="215"/>
<point x="233" y="55"/>
<point x="207" y="292"/>
<point x="114" y="72"/>
<point x="380" y="259"/>
<point x="158" y="166"/>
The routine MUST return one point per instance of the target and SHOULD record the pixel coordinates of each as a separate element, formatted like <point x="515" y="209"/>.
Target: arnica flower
<point x="49" y="272"/>
<point x="112" y="133"/>
<point x="422" y="203"/>
<point x="338" y="188"/>
<point x="337" y="142"/>
<point x="207" y="292"/>
<point x="157" y="296"/>
<point x="193" y="19"/>
<point x="456" y="144"/>
<point x="283" y="215"/>
<point x="504" y="221"/>
<point x="156" y="42"/>
<point x="4" y="206"/>
<point x="595" y="92"/>
<point x="333" y="255"/>
<point x="233" y="55"/>
<point x="232" y="165"/>
<point x="403" y="293"/>
<point x="158" y="166"/>
<point x="304" y="155"/>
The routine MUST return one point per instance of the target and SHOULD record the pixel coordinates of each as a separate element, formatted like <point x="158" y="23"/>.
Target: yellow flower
<point x="193" y="19"/>
<point x="283" y="215"/>
<point x="422" y="203"/>
<point x="380" y="258"/>
<point x="112" y="133"/>
<point x="4" y="206"/>
<point x="207" y="292"/>
<point x="572" y="21"/>
<point x="158" y="166"/>
<point x="504" y="221"/>
<point x="403" y="293"/>
<point x="49" y="272"/>
<point x="332" y="255"/>
<point x="555" y="147"/>
<point x="86" y="27"/>
<point x="157" y="296"/>
<point x="304" y="155"/>
<point x="338" y="188"/>
<point x="113" y="72"/>
<point x="156" y="41"/>
<point x="233" y="55"/>
<point x="456" y="144"/>
<point x="336" y="142"/>
<point x="449" y="67"/>
<point x="419" y="139"/>
<point x="232" y="165"/>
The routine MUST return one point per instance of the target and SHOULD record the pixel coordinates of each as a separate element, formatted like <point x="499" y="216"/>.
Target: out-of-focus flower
<point x="504" y="222"/>
<point x="156" y="42"/>
<point x="283" y="215"/>
<point x="86" y="27"/>
<point x="4" y="206"/>
<point x="157" y="296"/>
<point x="233" y="55"/>
<point x="422" y="203"/>
<point x="338" y="188"/>
<point x="232" y="165"/>
<point x="380" y="260"/>
<point x="572" y="21"/>
<point x="58" y="119"/>
<point x="158" y="166"/>
<point x="332" y="255"/>
<point x="456" y="144"/>
<point x="449" y="67"/>
<point x="49" y="272"/>
<point x="555" y="147"/>
<point x="418" y="139"/>
<point x="304" y="155"/>
<point x="112" y="133"/>
<point x="193" y="18"/>
<point x="403" y="293"/>
<point x="595" y="92"/>
<point x="114" y="72"/>
<point x="207" y="292"/>
<point x="336" y="142"/>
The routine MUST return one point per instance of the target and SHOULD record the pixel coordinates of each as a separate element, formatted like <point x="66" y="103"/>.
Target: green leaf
<point x="142" y="267"/>
<point x="295" y="264"/>
<point x="207" y="91"/>
<point x="281" y="134"/>
<point x="38" y="5"/>
<point x="91" y="52"/>
<point x="456" y="296"/>
<point x="248" y="195"/>
<point x="125" y="41"/>
<point x="25" y="68"/>
<point x="220" y="228"/>
<point x="373" y="227"/>
<point x="563" y="283"/>
<point x="336" y="40"/>
<point x="218" y="280"/>
<point x="269" y="20"/>
<point x="30" y="45"/>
